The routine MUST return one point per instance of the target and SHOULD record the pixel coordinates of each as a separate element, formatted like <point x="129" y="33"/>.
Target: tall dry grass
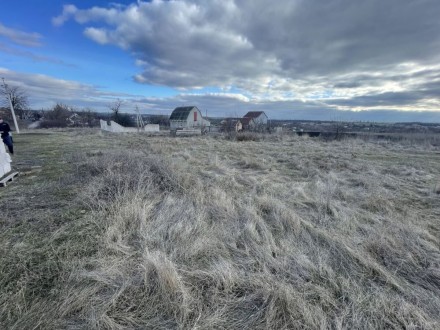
<point x="289" y="233"/>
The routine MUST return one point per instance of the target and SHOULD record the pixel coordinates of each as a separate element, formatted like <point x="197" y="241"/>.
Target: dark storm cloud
<point x="327" y="37"/>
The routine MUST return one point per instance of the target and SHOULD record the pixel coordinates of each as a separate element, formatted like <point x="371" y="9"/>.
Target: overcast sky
<point x="298" y="59"/>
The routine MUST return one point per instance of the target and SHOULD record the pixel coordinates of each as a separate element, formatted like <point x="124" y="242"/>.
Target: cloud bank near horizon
<point x="45" y="91"/>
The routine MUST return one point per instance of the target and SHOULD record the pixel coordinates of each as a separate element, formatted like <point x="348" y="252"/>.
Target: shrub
<point x="57" y="117"/>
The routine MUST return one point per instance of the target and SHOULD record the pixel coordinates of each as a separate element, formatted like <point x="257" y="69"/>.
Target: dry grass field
<point x="138" y="232"/>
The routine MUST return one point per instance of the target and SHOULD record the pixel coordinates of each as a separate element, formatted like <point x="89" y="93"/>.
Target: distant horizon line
<point x="366" y="116"/>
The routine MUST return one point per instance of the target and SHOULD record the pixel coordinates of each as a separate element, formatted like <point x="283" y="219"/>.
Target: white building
<point x="255" y="120"/>
<point x="187" y="118"/>
<point x="258" y="117"/>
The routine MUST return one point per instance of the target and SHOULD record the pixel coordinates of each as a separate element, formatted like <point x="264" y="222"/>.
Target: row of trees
<point x="62" y="115"/>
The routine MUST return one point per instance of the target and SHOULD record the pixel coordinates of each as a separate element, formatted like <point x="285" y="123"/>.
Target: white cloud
<point x="30" y="39"/>
<point x="68" y="11"/>
<point x="45" y="91"/>
<point x="98" y="35"/>
<point x="283" y="50"/>
<point x="34" y="57"/>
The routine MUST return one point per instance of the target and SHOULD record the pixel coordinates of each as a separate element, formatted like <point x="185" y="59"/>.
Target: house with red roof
<point x="254" y="120"/>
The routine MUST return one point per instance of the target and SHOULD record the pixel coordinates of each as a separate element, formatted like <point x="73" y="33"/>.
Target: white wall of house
<point x="175" y="124"/>
<point x="258" y="122"/>
<point x="261" y="119"/>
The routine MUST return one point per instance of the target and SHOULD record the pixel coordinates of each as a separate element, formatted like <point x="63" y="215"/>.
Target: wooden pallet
<point x="8" y="178"/>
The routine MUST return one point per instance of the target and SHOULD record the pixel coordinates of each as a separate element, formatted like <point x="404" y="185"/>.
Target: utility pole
<point x="139" y="121"/>
<point x="5" y="86"/>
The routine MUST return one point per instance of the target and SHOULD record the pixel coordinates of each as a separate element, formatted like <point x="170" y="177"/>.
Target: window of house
<point x="195" y="115"/>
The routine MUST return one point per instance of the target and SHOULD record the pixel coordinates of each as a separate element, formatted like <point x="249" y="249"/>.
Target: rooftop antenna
<point x="5" y="86"/>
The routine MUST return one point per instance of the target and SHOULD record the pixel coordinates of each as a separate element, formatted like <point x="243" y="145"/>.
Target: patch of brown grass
<point x="203" y="233"/>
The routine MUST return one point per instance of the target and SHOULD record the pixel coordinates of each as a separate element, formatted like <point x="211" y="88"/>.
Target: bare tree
<point x="57" y="117"/>
<point x="18" y="99"/>
<point x="11" y="96"/>
<point x="339" y="128"/>
<point x="123" y="119"/>
<point x="115" y="107"/>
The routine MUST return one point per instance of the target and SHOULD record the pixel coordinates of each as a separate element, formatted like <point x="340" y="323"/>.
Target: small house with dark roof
<point x="187" y="118"/>
<point x="231" y="125"/>
<point x="254" y="120"/>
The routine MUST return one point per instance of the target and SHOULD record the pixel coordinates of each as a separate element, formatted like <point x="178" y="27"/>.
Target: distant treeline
<point x="62" y="115"/>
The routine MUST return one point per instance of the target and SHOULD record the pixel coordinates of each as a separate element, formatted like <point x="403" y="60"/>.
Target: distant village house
<point x="231" y="125"/>
<point x="188" y="118"/>
<point x="255" y="120"/>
